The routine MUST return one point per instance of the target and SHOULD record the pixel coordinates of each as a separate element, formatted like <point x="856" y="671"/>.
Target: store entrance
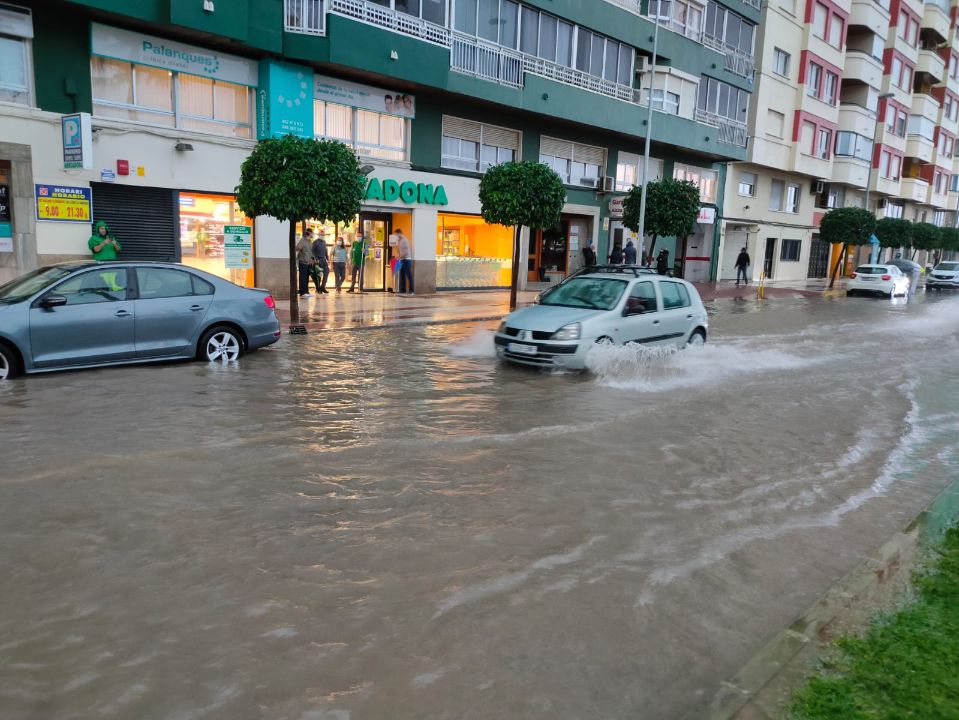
<point x="377" y="228"/>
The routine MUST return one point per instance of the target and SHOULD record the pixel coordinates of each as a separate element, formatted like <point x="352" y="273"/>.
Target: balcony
<point x="857" y="119"/>
<point x="863" y="67"/>
<point x="932" y="64"/>
<point x="885" y="186"/>
<point x="925" y="106"/>
<point x="850" y="171"/>
<point x="870" y="14"/>
<point x="305" y="16"/>
<point x="737" y="62"/>
<point x="729" y="132"/>
<point x="914" y="189"/>
<point x="487" y="61"/>
<point x="935" y="17"/>
<point x="634" y="6"/>
<point x="693" y="33"/>
<point x="754" y="4"/>
<point x="919" y="148"/>
<point x="398" y="22"/>
<point x="938" y="200"/>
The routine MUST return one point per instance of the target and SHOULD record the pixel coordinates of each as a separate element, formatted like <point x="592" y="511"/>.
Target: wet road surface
<point x="387" y="524"/>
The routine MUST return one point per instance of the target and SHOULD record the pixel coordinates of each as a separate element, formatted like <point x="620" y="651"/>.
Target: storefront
<point x="216" y="236"/>
<point x="472" y="254"/>
<point x="556" y="252"/>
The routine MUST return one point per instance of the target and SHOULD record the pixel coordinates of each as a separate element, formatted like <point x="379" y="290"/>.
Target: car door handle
<point x="194" y="308"/>
<point x="655" y="322"/>
<point x="122" y="313"/>
<point x="689" y="317"/>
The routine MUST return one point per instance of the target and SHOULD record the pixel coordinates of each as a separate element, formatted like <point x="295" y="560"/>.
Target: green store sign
<point x="410" y="193"/>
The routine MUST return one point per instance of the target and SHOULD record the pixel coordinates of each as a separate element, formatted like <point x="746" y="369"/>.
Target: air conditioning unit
<point x="609" y="183"/>
<point x="819" y="186"/>
<point x="642" y="64"/>
<point x="589" y="182"/>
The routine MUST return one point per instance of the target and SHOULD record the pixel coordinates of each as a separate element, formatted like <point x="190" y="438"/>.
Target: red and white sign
<point x="707" y="216"/>
<point x="616" y="207"/>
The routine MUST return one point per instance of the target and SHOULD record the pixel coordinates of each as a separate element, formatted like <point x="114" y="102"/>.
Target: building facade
<point x="141" y="114"/>
<point x="849" y="95"/>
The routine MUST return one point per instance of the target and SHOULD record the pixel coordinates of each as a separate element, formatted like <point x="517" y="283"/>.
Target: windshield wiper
<point x="590" y="303"/>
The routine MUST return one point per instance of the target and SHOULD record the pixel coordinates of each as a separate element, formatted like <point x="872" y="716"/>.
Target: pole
<point x="515" y="279"/>
<point x="649" y="132"/>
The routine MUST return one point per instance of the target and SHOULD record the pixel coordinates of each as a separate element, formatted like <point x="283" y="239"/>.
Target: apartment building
<point x="141" y="114"/>
<point x="849" y="96"/>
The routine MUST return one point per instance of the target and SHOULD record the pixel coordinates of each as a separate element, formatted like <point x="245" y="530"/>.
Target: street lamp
<point x="649" y="133"/>
<point x="874" y="255"/>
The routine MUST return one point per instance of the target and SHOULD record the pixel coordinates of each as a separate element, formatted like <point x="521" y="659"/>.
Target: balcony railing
<point x="484" y="60"/>
<point x="731" y="132"/>
<point x="391" y="20"/>
<point x="305" y="16"/>
<point x="754" y="3"/>
<point x="633" y="6"/>
<point x="577" y="78"/>
<point x="943" y="5"/>
<point x="737" y="62"/>
<point x="677" y="27"/>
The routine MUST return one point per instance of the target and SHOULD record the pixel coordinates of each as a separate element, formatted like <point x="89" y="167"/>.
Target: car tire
<point x="605" y="340"/>
<point x="850" y="293"/>
<point x="220" y="343"/>
<point x="9" y="363"/>
<point x="697" y="338"/>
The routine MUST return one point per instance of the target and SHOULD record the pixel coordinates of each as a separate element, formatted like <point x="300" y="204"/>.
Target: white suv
<point x="944" y="275"/>
<point x="622" y="306"/>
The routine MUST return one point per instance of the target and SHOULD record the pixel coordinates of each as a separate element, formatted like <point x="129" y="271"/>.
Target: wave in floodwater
<point x="479" y="345"/>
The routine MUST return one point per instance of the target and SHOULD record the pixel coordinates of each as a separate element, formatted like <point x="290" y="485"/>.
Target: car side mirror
<point x="52" y="301"/>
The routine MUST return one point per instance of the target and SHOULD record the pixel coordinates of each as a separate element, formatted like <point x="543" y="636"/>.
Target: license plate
<point x="869" y="279"/>
<point x="521" y="349"/>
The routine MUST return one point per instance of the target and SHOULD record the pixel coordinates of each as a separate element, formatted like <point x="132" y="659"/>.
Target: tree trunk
<point x="294" y="294"/>
<point x="650" y="257"/>
<point x="516" y="269"/>
<point x="839" y="263"/>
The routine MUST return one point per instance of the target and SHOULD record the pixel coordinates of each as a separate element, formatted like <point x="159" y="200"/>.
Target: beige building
<point x="841" y="86"/>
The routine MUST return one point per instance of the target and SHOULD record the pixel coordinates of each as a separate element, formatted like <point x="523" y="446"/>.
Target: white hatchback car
<point x="620" y="307"/>
<point x="944" y="275"/>
<point x="883" y="279"/>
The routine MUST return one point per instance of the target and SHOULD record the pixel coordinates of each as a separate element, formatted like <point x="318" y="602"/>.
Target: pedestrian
<point x="102" y="244"/>
<point x="629" y="253"/>
<point x="662" y="262"/>
<point x="405" y="269"/>
<point x="339" y="263"/>
<point x="358" y="252"/>
<point x="304" y="262"/>
<point x="589" y="255"/>
<point x="742" y="264"/>
<point x="321" y="264"/>
<point x="616" y="256"/>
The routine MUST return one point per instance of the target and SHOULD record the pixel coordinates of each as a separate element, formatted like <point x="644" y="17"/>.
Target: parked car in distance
<point x="88" y="314"/>
<point x="944" y="275"/>
<point x="878" y="279"/>
<point x="618" y="306"/>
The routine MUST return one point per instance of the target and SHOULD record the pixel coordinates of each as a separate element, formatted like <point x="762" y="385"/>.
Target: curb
<point x="319" y="328"/>
<point x="764" y="684"/>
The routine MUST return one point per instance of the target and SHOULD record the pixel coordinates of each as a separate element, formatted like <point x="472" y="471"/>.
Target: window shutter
<point x="556" y="148"/>
<point x="589" y="154"/>
<point x="501" y="137"/>
<point x="144" y="220"/>
<point x="462" y="129"/>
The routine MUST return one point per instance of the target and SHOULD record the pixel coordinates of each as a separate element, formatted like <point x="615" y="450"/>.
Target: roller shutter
<point x="143" y="219"/>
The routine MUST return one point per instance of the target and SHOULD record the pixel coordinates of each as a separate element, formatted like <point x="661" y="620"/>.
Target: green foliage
<point x="527" y="193"/>
<point x="894" y="232"/>
<point x="292" y="178"/>
<point x="671" y="208"/>
<point x="925" y="236"/>
<point x="905" y="666"/>
<point x="949" y="238"/>
<point x="849" y="226"/>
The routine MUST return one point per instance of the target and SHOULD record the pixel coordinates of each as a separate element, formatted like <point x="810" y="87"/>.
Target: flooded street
<point x="388" y="524"/>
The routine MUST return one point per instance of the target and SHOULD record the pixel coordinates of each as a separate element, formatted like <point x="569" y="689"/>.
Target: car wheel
<point x="9" y="364"/>
<point x="850" y="293"/>
<point x="604" y="340"/>
<point x="696" y="339"/>
<point x="221" y="344"/>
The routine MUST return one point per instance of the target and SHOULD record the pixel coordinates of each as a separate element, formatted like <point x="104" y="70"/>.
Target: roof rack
<point x="635" y="270"/>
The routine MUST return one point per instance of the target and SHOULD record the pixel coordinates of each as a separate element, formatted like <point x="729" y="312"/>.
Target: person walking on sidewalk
<point x="616" y="255"/>
<point x="589" y="255"/>
<point x="405" y="255"/>
<point x="662" y="262"/>
<point x="339" y="263"/>
<point x="629" y="253"/>
<point x="304" y="262"/>
<point x="742" y="265"/>
<point x="321" y="264"/>
<point x="357" y="257"/>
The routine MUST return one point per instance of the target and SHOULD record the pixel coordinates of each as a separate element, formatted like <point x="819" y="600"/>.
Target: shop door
<point x="143" y="219"/>
<point x="770" y="254"/>
<point x="535" y="241"/>
<point x="376" y="230"/>
<point x="818" y="259"/>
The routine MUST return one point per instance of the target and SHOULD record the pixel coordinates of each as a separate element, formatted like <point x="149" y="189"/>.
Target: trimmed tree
<point x="894" y="233"/>
<point x="846" y="226"/>
<point x="949" y="239"/>
<point x="520" y="194"/>
<point x="925" y="236"/>
<point x="292" y="179"/>
<point x="672" y="207"/>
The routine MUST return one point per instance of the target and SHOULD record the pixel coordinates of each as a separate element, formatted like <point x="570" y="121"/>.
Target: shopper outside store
<point x="304" y="262"/>
<point x="339" y="263"/>
<point x="321" y="264"/>
<point x="102" y="244"/>
<point x="357" y="256"/>
<point x="405" y="256"/>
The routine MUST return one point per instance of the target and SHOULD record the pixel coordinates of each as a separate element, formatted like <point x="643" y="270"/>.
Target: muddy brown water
<point x="388" y="524"/>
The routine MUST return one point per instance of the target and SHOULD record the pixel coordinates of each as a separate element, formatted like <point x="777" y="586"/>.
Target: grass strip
<point x="906" y="666"/>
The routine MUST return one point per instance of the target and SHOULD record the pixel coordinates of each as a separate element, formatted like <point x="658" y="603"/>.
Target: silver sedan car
<point x="88" y="314"/>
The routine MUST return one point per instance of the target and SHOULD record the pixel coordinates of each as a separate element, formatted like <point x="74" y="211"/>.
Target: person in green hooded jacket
<point x="102" y="244"/>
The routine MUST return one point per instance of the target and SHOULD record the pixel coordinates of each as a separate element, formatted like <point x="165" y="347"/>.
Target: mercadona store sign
<point x="408" y="192"/>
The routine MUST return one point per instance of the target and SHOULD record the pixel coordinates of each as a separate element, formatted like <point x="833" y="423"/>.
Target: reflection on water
<point x="388" y="524"/>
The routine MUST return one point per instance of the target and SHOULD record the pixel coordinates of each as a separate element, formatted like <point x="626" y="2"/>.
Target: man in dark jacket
<point x="742" y="265"/>
<point x="616" y="256"/>
<point x="589" y="255"/>
<point x="662" y="262"/>
<point x="321" y="264"/>
<point x="630" y="253"/>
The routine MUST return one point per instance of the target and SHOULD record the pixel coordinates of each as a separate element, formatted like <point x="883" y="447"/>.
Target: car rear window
<point x="871" y="270"/>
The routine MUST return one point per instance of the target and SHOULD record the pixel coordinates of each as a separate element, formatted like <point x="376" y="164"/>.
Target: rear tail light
<point x="853" y="276"/>
<point x="887" y="277"/>
<point x="270" y="302"/>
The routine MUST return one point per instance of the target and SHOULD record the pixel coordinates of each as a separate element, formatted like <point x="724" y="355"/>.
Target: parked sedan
<point x="616" y="307"/>
<point x="944" y="275"/>
<point x="87" y="314"/>
<point x="882" y="279"/>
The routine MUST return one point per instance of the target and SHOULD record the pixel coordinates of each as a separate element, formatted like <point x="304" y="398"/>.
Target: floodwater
<point x="387" y="524"/>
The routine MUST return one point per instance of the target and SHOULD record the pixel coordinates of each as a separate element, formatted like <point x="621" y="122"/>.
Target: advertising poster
<point x="238" y="246"/>
<point x="60" y="203"/>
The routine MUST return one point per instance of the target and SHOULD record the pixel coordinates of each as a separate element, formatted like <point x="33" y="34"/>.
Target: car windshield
<point x="871" y="270"/>
<point x="31" y="283"/>
<point x="948" y="266"/>
<point x="586" y="292"/>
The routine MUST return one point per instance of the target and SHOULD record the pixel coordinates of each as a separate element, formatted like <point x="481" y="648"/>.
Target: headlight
<point x="502" y="328"/>
<point x="536" y="299"/>
<point x="568" y="332"/>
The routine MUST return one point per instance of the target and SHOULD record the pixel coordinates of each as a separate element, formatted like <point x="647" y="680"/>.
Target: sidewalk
<point x="346" y="311"/>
